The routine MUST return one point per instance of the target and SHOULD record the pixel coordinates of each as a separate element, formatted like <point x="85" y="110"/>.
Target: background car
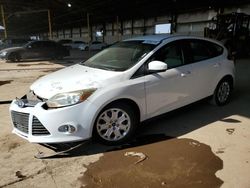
<point x="35" y="50"/>
<point x="76" y="44"/>
<point x="65" y="42"/>
<point x="8" y="43"/>
<point x="95" y="45"/>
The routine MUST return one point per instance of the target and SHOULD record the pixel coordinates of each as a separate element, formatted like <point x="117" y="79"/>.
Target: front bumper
<point x="38" y="125"/>
<point x="4" y="57"/>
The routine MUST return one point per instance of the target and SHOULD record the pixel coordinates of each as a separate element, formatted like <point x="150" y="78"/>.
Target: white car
<point x="95" y="45"/>
<point x="108" y="95"/>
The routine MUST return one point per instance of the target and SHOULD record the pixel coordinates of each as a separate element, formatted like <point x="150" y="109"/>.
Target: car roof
<point x="156" y="38"/>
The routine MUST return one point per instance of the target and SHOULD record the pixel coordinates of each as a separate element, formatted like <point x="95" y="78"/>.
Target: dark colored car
<point x="8" y="43"/>
<point x="35" y="50"/>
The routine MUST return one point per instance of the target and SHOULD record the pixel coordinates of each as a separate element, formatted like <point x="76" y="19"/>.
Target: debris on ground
<point x="194" y="143"/>
<point x="230" y="131"/>
<point x="142" y="156"/>
<point x="20" y="175"/>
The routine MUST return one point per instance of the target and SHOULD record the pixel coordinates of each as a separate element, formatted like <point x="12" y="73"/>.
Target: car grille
<point x="20" y="121"/>
<point x="38" y="128"/>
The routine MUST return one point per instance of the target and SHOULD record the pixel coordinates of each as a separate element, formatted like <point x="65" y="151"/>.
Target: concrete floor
<point x="224" y="130"/>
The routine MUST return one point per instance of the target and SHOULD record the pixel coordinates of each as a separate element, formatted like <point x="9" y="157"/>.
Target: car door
<point x="204" y="60"/>
<point x="50" y="49"/>
<point x="172" y="88"/>
<point x="33" y="50"/>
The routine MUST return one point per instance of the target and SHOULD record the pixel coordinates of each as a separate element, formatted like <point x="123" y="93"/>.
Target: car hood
<point x="73" y="78"/>
<point x="13" y="49"/>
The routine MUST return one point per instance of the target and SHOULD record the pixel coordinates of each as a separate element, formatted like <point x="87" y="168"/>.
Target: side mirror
<point x="29" y="47"/>
<point x="157" y="66"/>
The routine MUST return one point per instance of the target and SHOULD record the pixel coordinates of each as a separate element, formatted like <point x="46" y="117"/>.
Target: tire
<point x="223" y="92"/>
<point x="116" y="130"/>
<point x="14" y="57"/>
<point x="59" y="57"/>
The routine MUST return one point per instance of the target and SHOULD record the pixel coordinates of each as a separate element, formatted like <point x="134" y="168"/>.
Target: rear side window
<point x="202" y="50"/>
<point x="49" y="44"/>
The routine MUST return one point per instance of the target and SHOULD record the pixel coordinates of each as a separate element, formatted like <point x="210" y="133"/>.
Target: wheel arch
<point x="10" y="55"/>
<point x="229" y="77"/>
<point x="131" y="102"/>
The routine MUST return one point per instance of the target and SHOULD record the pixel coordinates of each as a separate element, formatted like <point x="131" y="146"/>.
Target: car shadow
<point x="179" y="122"/>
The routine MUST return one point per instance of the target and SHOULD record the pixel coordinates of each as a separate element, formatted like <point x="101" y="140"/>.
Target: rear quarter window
<point x="202" y="50"/>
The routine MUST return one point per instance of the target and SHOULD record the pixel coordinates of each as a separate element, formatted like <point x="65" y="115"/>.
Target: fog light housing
<point x="67" y="129"/>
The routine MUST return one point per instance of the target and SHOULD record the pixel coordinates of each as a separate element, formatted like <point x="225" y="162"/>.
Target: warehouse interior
<point x="81" y="20"/>
<point x="199" y="145"/>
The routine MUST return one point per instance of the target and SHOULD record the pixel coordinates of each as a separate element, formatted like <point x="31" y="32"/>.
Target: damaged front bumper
<point x="40" y="125"/>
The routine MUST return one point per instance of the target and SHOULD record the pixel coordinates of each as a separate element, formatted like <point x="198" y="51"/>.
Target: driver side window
<point x="170" y="54"/>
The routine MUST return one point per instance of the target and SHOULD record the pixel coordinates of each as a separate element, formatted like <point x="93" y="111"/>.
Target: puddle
<point x="5" y="82"/>
<point x="170" y="162"/>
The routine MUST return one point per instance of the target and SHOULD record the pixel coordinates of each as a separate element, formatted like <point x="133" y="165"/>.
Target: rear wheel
<point x="115" y="124"/>
<point x="223" y="92"/>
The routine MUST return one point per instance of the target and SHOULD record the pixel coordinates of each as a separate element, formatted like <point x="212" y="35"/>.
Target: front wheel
<point x="14" y="57"/>
<point x="115" y="124"/>
<point x="223" y="92"/>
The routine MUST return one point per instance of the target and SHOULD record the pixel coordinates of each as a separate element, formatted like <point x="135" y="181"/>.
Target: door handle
<point x="184" y="74"/>
<point x="216" y="65"/>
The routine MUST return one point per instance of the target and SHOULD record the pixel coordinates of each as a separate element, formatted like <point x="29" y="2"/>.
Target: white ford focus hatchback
<point x="121" y="86"/>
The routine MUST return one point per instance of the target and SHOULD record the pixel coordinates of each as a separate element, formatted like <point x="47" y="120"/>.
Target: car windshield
<point x="121" y="56"/>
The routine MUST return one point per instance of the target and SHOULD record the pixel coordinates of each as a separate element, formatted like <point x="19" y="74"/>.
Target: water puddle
<point x="170" y="162"/>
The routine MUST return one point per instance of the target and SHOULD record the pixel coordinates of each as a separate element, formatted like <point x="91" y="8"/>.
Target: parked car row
<point x="81" y="45"/>
<point x="45" y="49"/>
<point x="68" y="43"/>
<point x="95" y="45"/>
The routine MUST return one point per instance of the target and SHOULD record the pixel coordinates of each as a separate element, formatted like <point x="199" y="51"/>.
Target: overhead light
<point x="69" y="5"/>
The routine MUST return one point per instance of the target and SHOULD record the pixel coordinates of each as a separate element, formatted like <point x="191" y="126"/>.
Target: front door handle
<point x="184" y="74"/>
<point x="216" y="65"/>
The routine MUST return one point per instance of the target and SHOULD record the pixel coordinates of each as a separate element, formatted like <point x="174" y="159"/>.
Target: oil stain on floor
<point x="5" y="82"/>
<point x="28" y="65"/>
<point x="170" y="163"/>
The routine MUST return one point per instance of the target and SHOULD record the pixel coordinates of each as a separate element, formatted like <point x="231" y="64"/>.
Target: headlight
<point x="69" y="98"/>
<point x="3" y="53"/>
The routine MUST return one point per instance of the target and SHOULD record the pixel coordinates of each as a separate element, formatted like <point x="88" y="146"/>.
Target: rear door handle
<point x="184" y="74"/>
